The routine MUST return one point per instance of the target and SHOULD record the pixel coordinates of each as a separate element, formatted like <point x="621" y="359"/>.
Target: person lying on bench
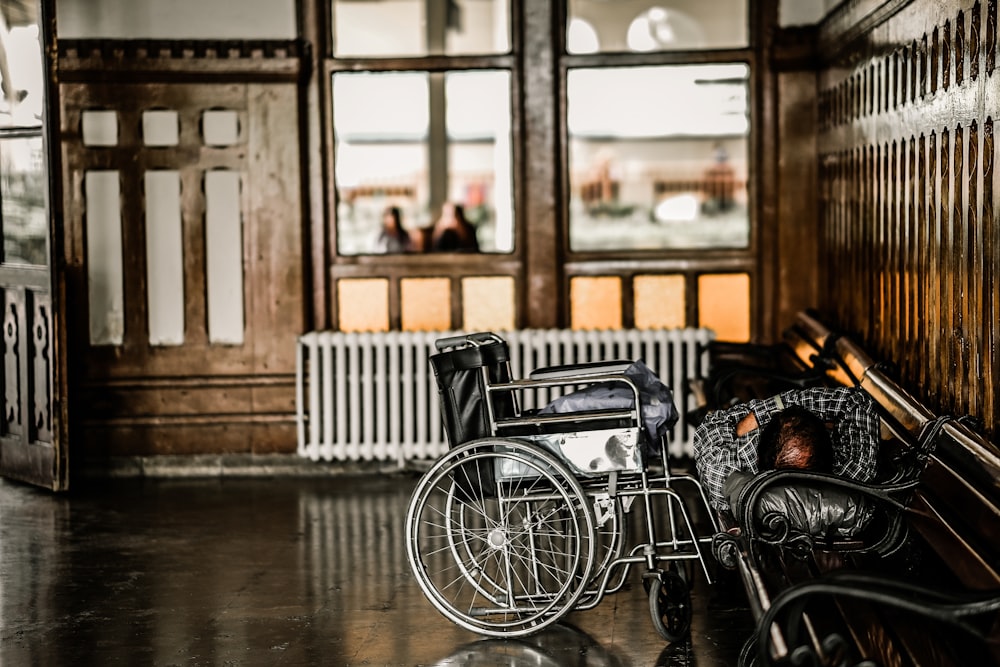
<point x="737" y="439"/>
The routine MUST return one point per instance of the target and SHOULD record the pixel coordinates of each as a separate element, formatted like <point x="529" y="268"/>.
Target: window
<point x="22" y="165"/>
<point x="658" y="153"/>
<point x="658" y="157"/>
<point x="621" y="154"/>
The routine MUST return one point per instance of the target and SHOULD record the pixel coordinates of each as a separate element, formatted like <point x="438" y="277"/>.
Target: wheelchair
<point x="526" y="517"/>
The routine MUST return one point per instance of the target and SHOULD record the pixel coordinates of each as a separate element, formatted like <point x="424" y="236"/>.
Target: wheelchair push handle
<point x="463" y="340"/>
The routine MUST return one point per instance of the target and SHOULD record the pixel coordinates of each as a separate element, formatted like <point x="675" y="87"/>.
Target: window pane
<point x="23" y="78"/>
<point x="479" y="154"/>
<point x="415" y="141"/>
<point x="420" y="27"/>
<point x="655" y="25"/>
<point x="22" y="193"/>
<point x="658" y="157"/>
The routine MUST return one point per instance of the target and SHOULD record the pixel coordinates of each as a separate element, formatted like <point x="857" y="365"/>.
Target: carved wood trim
<point x="147" y="61"/>
<point x="907" y="185"/>
<point x="851" y="22"/>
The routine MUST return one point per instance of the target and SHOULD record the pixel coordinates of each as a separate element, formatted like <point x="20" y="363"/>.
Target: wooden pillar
<point x="545" y="303"/>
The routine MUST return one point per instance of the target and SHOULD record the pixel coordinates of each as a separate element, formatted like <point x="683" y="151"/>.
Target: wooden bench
<point x="919" y="584"/>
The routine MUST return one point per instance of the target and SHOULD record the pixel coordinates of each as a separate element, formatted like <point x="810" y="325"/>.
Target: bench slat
<point x="891" y="640"/>
<point x="963" y="503"/>
<point x="961" y="556"/>
<point x="907" y="416"/>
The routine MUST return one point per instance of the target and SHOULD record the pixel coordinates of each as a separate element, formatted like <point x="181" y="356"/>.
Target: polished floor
<point x="284" y="571"/>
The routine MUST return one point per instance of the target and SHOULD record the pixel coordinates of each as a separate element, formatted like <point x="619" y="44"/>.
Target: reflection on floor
<point x="278" y="572"/>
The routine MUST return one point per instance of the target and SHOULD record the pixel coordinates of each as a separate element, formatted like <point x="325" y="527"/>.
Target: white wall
<point x="176" y="19"/>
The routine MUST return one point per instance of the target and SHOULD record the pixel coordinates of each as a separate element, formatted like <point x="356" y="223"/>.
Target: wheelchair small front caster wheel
<point x="670" y="605"/>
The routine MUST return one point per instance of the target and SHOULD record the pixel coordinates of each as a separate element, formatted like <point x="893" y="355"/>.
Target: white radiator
<point x="373" y="396"/>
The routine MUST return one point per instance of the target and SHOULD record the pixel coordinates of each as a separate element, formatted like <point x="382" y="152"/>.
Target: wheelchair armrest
<point x="582" y="371"/>
<point x="465" y="340"/>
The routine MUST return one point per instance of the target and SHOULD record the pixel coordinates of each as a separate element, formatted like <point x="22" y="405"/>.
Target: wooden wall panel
<point x="910" y="239"/>
<point x="196" y="396"/>
<point x="794" y="253"/>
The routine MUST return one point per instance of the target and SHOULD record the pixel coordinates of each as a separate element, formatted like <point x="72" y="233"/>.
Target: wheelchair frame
<point x="523" y="520"/>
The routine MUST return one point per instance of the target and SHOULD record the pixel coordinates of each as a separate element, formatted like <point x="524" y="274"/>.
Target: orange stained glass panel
<point x="659" y="302"/>
<point x="425" y="304"/>
<point x="596" y="303"/>
<point x="724" y="305"/>
<point x="488" y="303"/>
<point x="363" y="304"/>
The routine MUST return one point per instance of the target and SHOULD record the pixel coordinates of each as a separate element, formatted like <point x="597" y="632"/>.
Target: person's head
<point x="392" y="219"/>
<point x="797" y="439"/>
<point x="452" y="214"/>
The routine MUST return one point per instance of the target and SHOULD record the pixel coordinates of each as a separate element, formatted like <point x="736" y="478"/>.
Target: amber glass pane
<point x="655" y="25"/>
<point x="426" y="304"/>
<point x="363" y="304"/>
<point x="419" y="28"/>
<point x="658" y="157"/>
<point x="596" y="303"/>
<point x="724" y="305"/>
<point x="659" y="302"/>
<point x="488" y="303"/>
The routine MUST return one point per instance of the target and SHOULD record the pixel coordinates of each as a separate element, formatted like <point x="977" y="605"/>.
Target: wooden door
<point x="33" y="443"/>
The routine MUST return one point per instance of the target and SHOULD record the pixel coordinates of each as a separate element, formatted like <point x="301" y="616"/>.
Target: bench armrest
<point x="947" y="614"/>
<point x="802" y="511"/>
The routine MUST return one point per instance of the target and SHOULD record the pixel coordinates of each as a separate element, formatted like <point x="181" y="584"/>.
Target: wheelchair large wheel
<point x="500" y="538"/>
